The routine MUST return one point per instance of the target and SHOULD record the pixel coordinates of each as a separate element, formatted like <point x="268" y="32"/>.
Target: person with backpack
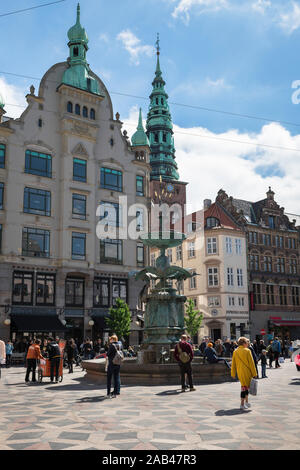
<point x="184" y="355"/>
<point x="54" y="355"/>
<point x="211" y="355"/>
<point x="115" y="358"/>
<point x="276" y="349"/>
<point x="72" y="353"/>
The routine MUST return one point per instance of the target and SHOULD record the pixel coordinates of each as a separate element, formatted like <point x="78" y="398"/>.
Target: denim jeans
<point x="54" y="365"/>
<point x="113" y="371"/>
<point x="263" y="370"/>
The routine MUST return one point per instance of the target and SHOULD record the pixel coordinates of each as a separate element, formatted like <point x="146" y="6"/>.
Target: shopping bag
<point x="253" y="386"/>
<point x="281" y="360"/>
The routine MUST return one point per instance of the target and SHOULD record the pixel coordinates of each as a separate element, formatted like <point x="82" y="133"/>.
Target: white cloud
<point x="261" y="6"/>
<point x="184" y="7"/>
<point x="133" y="45"/>
<point x="290" y="20"/>
<point x="14" y="98"/>
<point x="232" y="161"/>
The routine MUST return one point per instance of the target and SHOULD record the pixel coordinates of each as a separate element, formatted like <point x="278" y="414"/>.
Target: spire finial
<point x="78" y="13"/>
<point x="157" y="44"/>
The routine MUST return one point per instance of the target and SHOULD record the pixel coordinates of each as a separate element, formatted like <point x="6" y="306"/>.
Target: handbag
<point x="183" y="356"/>
<point x="118" y="358"/>
<point x="281" y="360"/>
<point x="253" y="386"/>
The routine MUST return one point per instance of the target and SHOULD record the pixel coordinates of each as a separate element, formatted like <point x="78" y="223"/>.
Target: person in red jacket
<point x="33" y="354"/>
<point x="184" y="355"/>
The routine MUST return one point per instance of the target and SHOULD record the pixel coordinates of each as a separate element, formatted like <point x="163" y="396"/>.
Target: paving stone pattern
<point x="76" y="415"/>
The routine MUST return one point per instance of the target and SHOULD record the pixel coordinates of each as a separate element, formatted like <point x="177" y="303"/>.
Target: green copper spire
<point x="160" y="129"/>
<point x="139" y="138"/>
<point x="78" y="72"/>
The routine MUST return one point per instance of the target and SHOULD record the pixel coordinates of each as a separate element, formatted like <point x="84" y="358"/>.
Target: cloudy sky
<point x="230" y="67"/>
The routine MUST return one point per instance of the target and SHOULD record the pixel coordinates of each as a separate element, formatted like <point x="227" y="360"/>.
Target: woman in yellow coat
<point x="243" y="366"/>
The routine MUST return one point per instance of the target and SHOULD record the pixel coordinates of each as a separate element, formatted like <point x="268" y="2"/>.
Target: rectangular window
<point x="213" y="301"/>
<point x="230" y="280"/>
<point x="266" y="239"/>
<point x="2" y="155"/>
<point x="211" y="245"/>
<point x="192" y="281"/>
<point x="228" y="245"/>
<point x="292" y="243"/>
<point x="79" y="170"/>
<point x="231" y="301"/>
<point x="293" y="266"/>
<point x="253" y="237"/>
<point x="241" y="301"/>
<point x="111" y="179"/>
<point x="22" y="288"/>
<point x="280" y="265"/>
<point x="78" y="245"/>
<point x="232" y="330"/>
<point x="38" y="163"/>
<point x="1" y="195"/>
<point x="45" y="289"/>
<point x="140" y="254"/>
<point x="271" y="221"/>
<point x="240" y="279"/>
<point x="296" y="295"/>
<point x="254" y="262"/>
<point x="191" y="249"/>
<point x="37" y="201"/>
<point x="111" y="251"/>
<point x="36" y="242"/>
<point x="78" y="206"/>
<point x="279" y="241"/>
<point x="111" y="213"/>
<point x="268" y="264"/>
<point x="270" y="294"/>
<point x="153" y="260"/>
<point x="178" y="253"/>
<point x="257" y="294"/>
<point x="282" y="295"/>
<point x="139" y="215"/>
<point x="101" y="293"/>
<point x="75" y="292"/>
<point x="119" y="290"/>
<point x="140" y="191"/>
<point x="238" y="246"/>
<point x="169" y="254"/>
<point x="213" y="277"/>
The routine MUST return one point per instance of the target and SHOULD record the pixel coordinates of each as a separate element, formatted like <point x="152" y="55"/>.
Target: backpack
<point x="275" y="346"/>
<point x="183" y="356"/>
<point x="118" y="358"/>
<point x="54" y="348"/>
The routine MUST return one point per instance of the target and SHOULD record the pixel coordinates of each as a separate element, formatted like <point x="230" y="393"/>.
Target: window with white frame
<point x="241" y="301"/>
<point x="152" y="262"/>
<point x="231" y="301"/>
<point x="238" y="246"/>
<point x="213" y="277"/>
<point x="193" y="282"/>
<point x="178" y="252"/>
<point x="191" y="249"/>
<point x="240" y="280"/>
<point x="213" y="301"/>
<point x="169" y="254"/>
<point x="230" y="280"/>
<point x="211" y="245"/>
<point x="228" y="245"/>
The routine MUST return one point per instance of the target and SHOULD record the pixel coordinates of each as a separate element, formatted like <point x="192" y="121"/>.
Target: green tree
<point x="119" y="319"/>
<point x="193" y="318"/>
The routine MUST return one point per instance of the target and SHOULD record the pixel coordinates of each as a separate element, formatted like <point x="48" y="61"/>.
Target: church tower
<point x="165" y="186"/>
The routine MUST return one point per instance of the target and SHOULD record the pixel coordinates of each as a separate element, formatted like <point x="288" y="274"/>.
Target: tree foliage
<point x="119" y="319"/>
<point x="193" y="318"/>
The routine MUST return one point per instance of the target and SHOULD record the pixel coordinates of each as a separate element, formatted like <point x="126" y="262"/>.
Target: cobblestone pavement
<point x="77" y="415"/>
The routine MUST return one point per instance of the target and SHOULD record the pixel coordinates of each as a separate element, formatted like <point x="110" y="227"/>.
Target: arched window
<point x="92" y="114"/>
<point x="85" y="112"/>
<point x="77" y="109"/>
<point x="70" y="107"/>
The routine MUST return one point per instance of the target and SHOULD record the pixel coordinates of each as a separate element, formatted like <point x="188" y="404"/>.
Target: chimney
<point x="206" y="204"/>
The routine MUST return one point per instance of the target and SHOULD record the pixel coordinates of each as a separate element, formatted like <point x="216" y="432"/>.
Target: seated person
<point x="211" y="355"/>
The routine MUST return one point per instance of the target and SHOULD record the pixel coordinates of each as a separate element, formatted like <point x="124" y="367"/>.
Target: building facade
<point x="273" y="265"/>
<point x="68" y="176"/>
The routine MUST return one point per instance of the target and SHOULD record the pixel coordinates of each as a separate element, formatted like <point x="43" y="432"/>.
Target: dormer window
<point x="212" y="222"/>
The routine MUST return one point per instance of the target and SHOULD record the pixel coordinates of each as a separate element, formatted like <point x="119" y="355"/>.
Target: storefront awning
<point x="286" y="322"/>
<point x="98" y="315"/>
<point x="35" y="320"/>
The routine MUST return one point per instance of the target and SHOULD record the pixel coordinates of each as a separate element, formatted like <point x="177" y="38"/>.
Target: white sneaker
<point x="247" y="405"/>
<point x="243" y="408"/>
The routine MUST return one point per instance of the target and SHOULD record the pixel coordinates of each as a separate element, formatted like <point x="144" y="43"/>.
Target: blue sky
<point x="230" y="55"/>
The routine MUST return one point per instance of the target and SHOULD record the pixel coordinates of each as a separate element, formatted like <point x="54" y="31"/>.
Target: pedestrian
<point x="270" y="354"/>
<point x="243" y="366"/>
<point x="253" y="354"/>
<point x="33" y="354"/>
<point x="87" y="349"/>
<point x="263" y="362"/>
<point x="113" y="370"/>
<point x="211" y="355"/>
<point x="227" y="348"/>
<point x="54" y="357"/>
<point x="2" y="354"/>
<point x="98" y="346"/>
<point x="219" y="348"/>
<point x="72" y="353"/>
<point x="184" y="355"/>
<point x="9" y="350"/>
<point x="261" y="346"/>
<point x="255" y="347"/>
<point x="276" y="349"/>
<point x="202" y="346"/>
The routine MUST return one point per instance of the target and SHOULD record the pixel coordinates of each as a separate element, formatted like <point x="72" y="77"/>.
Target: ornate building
<point x="66" y="165"/>
<point x="273" y="264"/>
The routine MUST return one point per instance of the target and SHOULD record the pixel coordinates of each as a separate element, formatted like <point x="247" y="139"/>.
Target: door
<point x="216" y="334"/>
